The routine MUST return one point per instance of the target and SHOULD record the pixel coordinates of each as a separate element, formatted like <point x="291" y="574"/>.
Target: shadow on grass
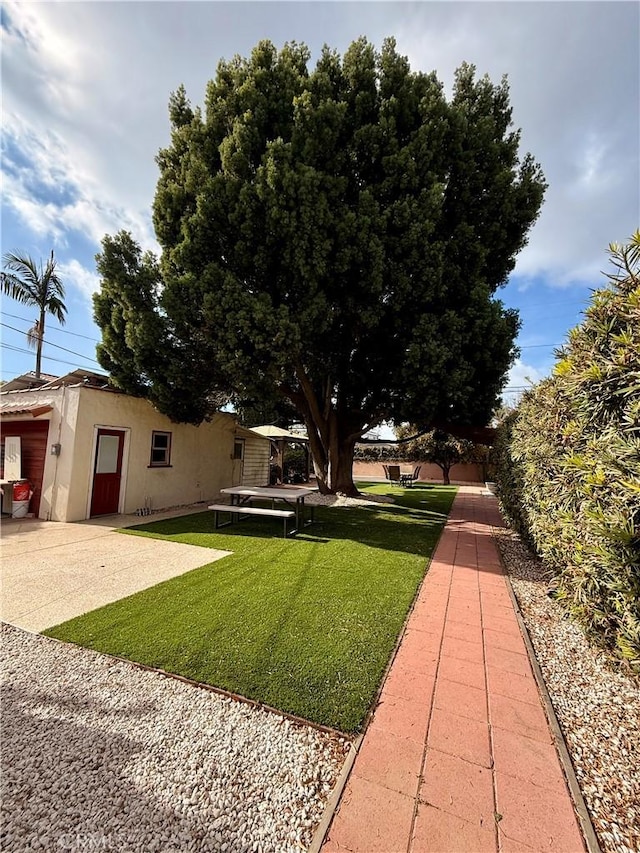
<point x="411" y="525"/>
<point x="305" y="624"/>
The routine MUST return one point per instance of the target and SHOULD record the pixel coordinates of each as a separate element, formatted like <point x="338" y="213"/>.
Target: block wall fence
<point x="464" y="474"/>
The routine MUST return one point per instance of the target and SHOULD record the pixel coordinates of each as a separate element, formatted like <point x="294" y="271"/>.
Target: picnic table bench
<point x="244" y="510"/>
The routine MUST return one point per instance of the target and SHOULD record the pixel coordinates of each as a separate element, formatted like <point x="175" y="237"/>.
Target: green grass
<point x="305" y="624"/>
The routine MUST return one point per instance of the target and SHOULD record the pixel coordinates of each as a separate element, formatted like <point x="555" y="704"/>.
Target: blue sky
<point x="85" y="88"/>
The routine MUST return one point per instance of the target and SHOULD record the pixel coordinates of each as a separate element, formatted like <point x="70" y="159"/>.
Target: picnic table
<point x="291" y="497"/>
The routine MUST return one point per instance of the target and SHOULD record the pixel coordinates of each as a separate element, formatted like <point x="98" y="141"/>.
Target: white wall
<point x="200" y="464"/>
<point x="255" y="470"/>
<point x="201" y="457"/>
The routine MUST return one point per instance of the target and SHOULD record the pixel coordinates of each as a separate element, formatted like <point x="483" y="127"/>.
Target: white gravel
<point x="343" y="501"/>
<point x="98" y="754"/>
<point x="597" y="705"/>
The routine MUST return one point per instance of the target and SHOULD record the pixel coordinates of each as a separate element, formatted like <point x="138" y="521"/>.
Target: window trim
<point x="167" y="462"/>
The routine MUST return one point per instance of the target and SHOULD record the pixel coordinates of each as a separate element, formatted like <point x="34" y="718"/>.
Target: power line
<point x="64" y="331"/>
<point x="48" y="343"/>
<point x="548" y="304"/>
<point x="512" y="388"/>
<point x="96" y="341"/>
<point x="537" y="346"/>
<point x="11" y="348"/>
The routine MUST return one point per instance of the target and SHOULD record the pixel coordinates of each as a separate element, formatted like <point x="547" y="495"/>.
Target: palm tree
<point x="42" y="288"/>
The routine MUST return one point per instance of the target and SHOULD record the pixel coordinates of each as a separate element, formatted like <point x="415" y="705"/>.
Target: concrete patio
<point x="53" y="571"/>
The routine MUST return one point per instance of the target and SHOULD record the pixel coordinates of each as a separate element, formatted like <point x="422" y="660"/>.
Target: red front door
<point x="107" y="472"/>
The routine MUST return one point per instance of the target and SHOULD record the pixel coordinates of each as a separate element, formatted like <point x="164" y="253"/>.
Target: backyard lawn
<point x="305" y="624"/>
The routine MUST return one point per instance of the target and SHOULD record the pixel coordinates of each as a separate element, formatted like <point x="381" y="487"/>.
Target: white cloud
<point x="87" y="213"/>
<point x="56" y="123"/>
<point x="593" y="163"/>
<point x="73" y="274"/>
<point x="521" y="377"/>
<point x="86" y="85"/>
<point x="575" y="90"/>
<point x="41" y="219"/>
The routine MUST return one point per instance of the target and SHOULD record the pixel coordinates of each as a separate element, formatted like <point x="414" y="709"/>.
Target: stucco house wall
<point x="200" y="463"/>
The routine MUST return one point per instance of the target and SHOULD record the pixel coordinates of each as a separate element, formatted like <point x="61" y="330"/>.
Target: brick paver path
<point x="459" y="756"/>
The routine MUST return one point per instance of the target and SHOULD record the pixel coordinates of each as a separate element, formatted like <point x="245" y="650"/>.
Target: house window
<point x="160" y="449"/>
<point x="238" y="448"/>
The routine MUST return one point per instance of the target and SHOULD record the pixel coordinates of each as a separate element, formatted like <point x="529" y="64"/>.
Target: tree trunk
<point x="40" y="339"/>
<point x="332" y="438"/>
<point x="341" y="470"/>
<point x="333" y="464"/>
<point x="445" y="474"/>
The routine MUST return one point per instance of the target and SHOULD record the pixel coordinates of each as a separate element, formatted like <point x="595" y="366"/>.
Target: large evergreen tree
<point x="335" y="238"/>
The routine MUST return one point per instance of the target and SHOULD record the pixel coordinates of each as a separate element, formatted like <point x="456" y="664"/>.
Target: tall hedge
<point x="509" y="476"/>
<point x="569" y="469"/>
<point x="377" y="453"/>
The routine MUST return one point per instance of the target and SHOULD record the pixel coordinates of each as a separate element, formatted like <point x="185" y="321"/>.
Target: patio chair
<point x="392" y="473"/>
<point x="410" y="478"/>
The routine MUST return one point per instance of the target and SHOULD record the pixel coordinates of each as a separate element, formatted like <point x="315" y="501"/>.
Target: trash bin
<point x="22" y="495"/>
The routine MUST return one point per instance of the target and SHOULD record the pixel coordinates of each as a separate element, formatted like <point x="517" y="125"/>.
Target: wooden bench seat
<point x="284" y="514"/>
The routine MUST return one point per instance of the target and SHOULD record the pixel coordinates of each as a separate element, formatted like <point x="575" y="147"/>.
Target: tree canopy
<point x="441" y="448"/>
<point x="332" y="237"/>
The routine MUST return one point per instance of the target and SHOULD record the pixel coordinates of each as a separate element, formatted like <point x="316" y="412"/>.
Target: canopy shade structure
<point x="277" y="433"/>
<point x="280" y="438"/>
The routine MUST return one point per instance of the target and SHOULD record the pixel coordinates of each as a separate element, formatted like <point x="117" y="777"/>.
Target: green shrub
<point x="509" y="477"/>
<point x="436" y="446"/>
<point x="378" y="453"/>
<point x="444" y="450"/>
<point x="569" y="474"/>
<point x="295" y="464"/>
<point x="484" y="456"/>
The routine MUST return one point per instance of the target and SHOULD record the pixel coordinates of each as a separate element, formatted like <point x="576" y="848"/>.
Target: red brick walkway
<point x="459" y="756"/>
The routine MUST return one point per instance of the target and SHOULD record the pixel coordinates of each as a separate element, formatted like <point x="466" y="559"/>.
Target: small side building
<point x="89" y="450"/>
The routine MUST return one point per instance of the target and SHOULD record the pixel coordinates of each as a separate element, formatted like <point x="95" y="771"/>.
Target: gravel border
<point x="98" y="754"/>
<point x="597" y="705"/>
<point x="316" y="499"/>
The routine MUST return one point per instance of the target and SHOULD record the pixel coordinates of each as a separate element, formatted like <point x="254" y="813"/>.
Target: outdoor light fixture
<point x="55" y="449"/>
